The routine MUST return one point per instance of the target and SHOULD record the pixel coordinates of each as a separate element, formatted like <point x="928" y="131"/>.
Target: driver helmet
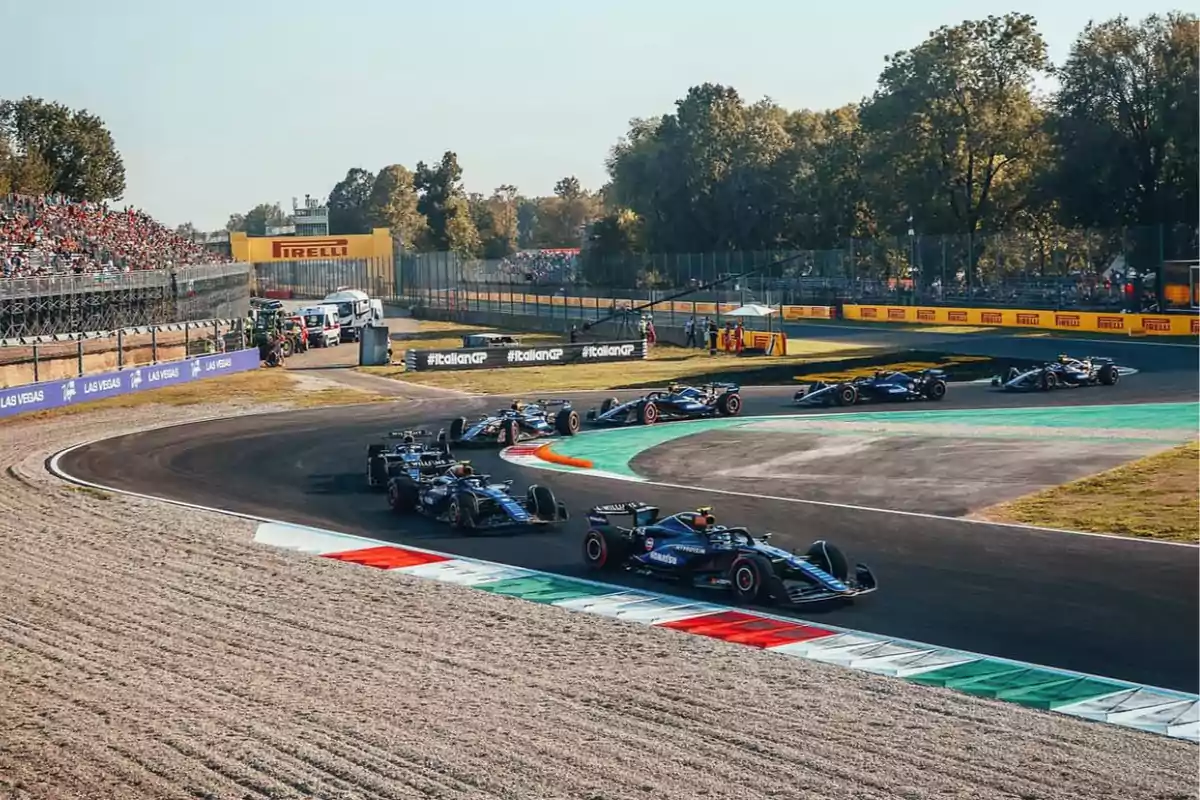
<point x="703" y="519"/>
<point x="461" y="471"/>
<point x="1063" y="358"/>
<point x="518" y="405"/>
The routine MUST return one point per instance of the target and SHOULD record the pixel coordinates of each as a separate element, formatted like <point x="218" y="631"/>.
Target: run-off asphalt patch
<point x="153" y="651"/>
<point x="906" y="468"/>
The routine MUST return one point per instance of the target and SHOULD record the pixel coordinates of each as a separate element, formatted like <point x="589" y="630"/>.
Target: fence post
<point x="153" y="344"/>
<point x="187" y="341"/>
<point x="120" y="348"/>
<point x="36" y="377"/>
<point x="79" y="355"/>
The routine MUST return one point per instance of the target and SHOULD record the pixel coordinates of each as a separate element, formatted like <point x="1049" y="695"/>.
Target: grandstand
<point x="70" y="266"/>
<point x="45" y="236"/>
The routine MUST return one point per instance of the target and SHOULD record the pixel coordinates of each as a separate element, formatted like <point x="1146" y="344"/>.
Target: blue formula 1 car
<point x="677" y="402"/>
<point x="886" y="387"/>
<point x="472" y="502"/>
<point x="408" y="453"/>
<point x="520" y="422"/>
<point x="1066" y="372"/>
<point x="691" y="547"/>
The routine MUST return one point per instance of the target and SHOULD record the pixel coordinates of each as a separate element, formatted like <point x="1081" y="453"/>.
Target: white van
<point x="355" y="311"/>
<point x="322" y="325"/>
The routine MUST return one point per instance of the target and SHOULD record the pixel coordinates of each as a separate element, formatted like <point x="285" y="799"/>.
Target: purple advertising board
<point x="74" y="391"/>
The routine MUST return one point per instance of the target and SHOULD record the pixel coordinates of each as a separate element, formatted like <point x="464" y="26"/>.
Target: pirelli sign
<point x="299" y="249"/>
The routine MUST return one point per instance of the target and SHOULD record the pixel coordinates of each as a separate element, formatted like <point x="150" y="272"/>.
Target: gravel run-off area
<point x="148" y="650"/>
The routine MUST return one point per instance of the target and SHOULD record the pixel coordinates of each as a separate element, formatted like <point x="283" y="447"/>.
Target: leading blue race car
<point x="520" y="422"/>
<point x="472" y="502"/>
<point x="690" y="546"/>
<point x="677" y="402"/>
<point x="886" y="387"/>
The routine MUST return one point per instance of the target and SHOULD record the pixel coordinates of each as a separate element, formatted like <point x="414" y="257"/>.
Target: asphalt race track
<point x="1108" y="606"/>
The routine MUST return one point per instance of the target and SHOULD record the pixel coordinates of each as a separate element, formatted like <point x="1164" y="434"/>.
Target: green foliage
<point x="393" y="204"/>
<point x="256" y="221"/>
<point x="49" y="147"/>
<point x="349" y="202"/>
<point x="444" y="204"/>
<point x="1127" y="123"/>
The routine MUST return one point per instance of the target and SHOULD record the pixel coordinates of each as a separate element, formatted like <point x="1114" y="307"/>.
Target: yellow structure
<point x="264" y="249"/>
<point x="1093" y="321"/>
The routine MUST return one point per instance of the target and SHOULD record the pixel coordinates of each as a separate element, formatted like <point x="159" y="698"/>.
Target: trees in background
<point x="955" y="140"/>
<point x="46" y="147"/>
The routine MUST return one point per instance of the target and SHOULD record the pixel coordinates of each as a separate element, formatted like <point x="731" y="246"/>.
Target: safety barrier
<point x="467" y="299"/>
<point x="76" y="391"/>
<point x="773" y="344"/>
<point x="541" y="356"/>
<point x="1078" y="321"/>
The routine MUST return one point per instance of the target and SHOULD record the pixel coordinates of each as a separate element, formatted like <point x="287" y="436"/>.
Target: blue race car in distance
<point x="408" y="454"/>
<point x="691" y="547"/>
<point x="677" y="402"/>
<point x="1065" y="372"/>
<point x="472" y="502"/>
<point x="520" y="422"/>
<point x="885" y="387"/>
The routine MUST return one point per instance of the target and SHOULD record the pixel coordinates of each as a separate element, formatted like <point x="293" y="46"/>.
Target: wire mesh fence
<point x="58" y="304"/>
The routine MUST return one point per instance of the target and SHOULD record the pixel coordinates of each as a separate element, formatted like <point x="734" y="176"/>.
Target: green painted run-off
<point x="613" y="450"/>
<point x="543" y="588"/>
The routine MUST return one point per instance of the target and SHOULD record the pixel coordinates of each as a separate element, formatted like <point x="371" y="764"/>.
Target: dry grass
<point x="1154" y="498"/>
<point x="666" y="363"/>
<point x="256" y="387"/>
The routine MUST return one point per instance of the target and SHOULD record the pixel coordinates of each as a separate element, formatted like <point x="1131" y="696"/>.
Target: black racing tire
<point x="466" y="518"/>
<point x="604" y="551"/>
<point x="402" y="496"/>
<point x="566" y="422"/>
<point x="564" y="514"/>
<point x="1048" y="380"/>
<point x="729" y="404"/>
<point x="510" y="433"/>
<point x="829" y="558"/>
<point x="542" y="503"/>
<point x="457" y="428"/>
<point x="648" y="413"/>
<point x="748" y="578"/>
<point x="845" y="395"/>
<point x="609" y="404"/>
<point x="936" y="390"/>
<point x="1109" y="375"/>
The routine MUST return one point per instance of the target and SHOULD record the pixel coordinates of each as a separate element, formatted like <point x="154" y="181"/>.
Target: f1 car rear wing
<point x="641" y="513"/>
<point x="402" y="434"/>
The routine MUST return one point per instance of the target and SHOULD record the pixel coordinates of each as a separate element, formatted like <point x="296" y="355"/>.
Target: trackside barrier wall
<point x="1091" y="321"/>
<point x="538" y="356"/>
<point x="472" y="301"/>
<point x="77" y="391"/>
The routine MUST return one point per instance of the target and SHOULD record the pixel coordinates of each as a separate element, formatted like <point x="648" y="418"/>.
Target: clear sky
<point x="220" y="105"/>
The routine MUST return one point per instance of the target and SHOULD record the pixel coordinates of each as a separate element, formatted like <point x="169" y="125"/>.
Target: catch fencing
<point x="1059" y="269"/>
<point x="62" y="304"/>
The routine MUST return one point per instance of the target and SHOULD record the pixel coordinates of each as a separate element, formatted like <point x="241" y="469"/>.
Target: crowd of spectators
<point x="541" y="266"/>
<point x="50" y="235"/>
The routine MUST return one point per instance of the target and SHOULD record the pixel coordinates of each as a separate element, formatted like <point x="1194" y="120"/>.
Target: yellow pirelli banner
<point x="1090" y="321"/>
<point x="264" y="249"/>
<point x="807" y="312"/>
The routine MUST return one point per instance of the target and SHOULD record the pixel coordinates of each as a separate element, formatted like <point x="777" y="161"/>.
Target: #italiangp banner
<point x="504" y="357"/>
